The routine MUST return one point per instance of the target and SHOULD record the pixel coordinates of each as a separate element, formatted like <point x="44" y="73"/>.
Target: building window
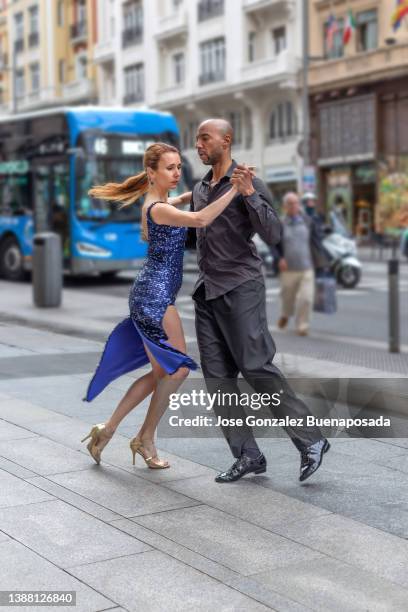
<point x="132" y="23"/>
<point x="367" y="30"/>
<point x="279" y="40"/>
<point x="212" y="60"/>
<point x="282" y="121"/>
<point x="60" y="13"/>
<point x="134" y="83"/>
<point x="333" y="39"/>
<point x="81" y="63"/>
<point x="235" y="119"/>
<point x="251" y="46"/>
<point x="81" y="11"/>
<point x="179" y="67"/>
<point x="210" y="8"/>
<point x="18" y="32"/>
<point x="33" y="38"/>
<point x="35" y="77"/>
<point x="20" y="83"/>
<point x="61" y="71"/>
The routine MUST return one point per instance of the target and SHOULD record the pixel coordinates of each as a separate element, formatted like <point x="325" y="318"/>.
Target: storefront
<point x="347" y="166"/>
<point x="360" y="147"/>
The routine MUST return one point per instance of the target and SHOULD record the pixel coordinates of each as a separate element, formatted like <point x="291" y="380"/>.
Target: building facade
<point x="48" y="46"/>
<point x="238" y="59"/>
<point x="359" y="111"/>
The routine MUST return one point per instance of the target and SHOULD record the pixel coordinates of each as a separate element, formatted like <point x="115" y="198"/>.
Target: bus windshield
<point x="97" y="171"/>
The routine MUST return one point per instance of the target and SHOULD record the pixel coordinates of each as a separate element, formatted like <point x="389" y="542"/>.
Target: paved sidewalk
<point x="130" y="538"/>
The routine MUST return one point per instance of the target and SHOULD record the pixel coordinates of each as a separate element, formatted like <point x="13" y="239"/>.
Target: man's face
<point x="211" y="144"/>
<point x="292" y="206"/>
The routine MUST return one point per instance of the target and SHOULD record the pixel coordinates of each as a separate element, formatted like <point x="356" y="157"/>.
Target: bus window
<point x="97" y="171"/>
<point x="14" y="194"/>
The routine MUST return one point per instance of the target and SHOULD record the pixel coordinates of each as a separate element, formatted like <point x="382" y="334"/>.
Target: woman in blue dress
<point x="153" y="332"/>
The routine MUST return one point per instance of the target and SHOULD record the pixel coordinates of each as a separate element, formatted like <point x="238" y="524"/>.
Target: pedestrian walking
<point x="299" y="253"/>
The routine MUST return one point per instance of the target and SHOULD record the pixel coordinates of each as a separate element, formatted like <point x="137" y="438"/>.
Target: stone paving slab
<point x="78" y="501"/>
<point x="44" y="342"/>
<point x="43" y="456"/>
<point x="247" y="501"/>
<point x="23" y="569"/>
<point x="121" y="492"/>
<point x="65" y="535"/>
<point x="25" y="412"/>
<point x="244" y="548"/>
<point x="15" y="469"/>
<point x="17" y="492"/>
<point x="370" y="450"/>
<point x="328" y="584"/>
<point x="155" y="582"/>
<point x="364" y="491"/>
<point x="354" y="543"/>
<point x="8" y="431"/>
<point x="118" y="453"/>
<point x="399" y="463"/>
<point x="243" y="584"/>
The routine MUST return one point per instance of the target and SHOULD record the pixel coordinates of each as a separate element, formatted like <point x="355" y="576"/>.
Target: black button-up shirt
<point x="227" y="257"/>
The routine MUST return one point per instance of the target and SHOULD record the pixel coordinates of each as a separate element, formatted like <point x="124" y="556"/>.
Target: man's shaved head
<point x="221" y="125"/>
<point x="214" y="140"/>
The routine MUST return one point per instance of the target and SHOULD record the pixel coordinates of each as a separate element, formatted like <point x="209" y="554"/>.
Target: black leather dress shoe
<point x="311" y="458"/>
<point x="243" y="465"/>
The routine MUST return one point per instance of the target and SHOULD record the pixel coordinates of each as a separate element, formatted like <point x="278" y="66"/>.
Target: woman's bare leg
<point x="165" y="384"/>
<point x="137" y="392"/>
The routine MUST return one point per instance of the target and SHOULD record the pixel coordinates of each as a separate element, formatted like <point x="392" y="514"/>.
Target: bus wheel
<point x="11" y="260"/>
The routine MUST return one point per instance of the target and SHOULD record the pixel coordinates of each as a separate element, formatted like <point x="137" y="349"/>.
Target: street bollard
<point x="393" y="305"/>
<point x="47" y="270"/>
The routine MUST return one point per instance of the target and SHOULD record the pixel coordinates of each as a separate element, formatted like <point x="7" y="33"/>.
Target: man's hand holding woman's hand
<point x="241" y="178"/>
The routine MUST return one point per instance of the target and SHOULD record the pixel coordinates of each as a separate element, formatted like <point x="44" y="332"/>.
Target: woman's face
<point x="168" y="172"/>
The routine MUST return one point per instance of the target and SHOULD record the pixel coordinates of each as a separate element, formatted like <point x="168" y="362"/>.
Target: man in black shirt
<point x="229" y="295"/>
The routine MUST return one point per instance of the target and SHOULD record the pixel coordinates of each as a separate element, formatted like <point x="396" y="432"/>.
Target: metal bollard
<point x="47" y="270"/>
<point x="393" y="305"/>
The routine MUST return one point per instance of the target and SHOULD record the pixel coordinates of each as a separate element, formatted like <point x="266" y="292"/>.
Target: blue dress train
<point x="154" y="289"/>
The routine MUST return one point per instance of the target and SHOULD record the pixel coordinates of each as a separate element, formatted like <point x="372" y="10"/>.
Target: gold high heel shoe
<point x="153" y="462"/>
<point x="97" y="434"/>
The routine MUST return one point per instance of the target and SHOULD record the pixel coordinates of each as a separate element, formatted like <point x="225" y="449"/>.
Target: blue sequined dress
<point x="154" y="289"/>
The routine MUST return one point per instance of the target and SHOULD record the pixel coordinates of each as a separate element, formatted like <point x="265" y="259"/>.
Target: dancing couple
<point x="227" y="207"/>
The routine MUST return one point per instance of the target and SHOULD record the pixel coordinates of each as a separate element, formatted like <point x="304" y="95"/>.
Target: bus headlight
<point x="86" y="248"/>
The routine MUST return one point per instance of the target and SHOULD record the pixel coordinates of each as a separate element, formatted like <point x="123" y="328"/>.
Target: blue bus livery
<point x="48" y="161"/>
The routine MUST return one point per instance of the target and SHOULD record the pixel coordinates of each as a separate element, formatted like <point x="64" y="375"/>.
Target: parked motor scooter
<point x="342" y="252"/>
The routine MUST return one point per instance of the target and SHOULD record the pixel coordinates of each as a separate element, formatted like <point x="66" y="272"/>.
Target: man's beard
<point x="211" y="159"/>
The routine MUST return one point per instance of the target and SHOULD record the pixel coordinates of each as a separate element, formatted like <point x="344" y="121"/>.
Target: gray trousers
<point x="233" y="337"/>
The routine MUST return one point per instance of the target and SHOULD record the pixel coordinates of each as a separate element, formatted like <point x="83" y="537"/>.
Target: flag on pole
<point x="349" y="28"/>
<point x="398" y="15"/>
<point x="332" y="29"/>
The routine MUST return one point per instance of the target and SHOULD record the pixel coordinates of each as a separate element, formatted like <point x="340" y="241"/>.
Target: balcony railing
<point x="132" y="36"/>
<point x="132" y="97"/>
<point x="33" y="39"/>
<point x="19" y="45"/>
<point x="211" y="77"/>
<point x="78" y="30"/>
<point x="210" y="8"/>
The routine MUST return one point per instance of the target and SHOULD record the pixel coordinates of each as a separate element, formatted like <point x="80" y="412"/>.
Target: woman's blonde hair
<point x="135" y="186"/>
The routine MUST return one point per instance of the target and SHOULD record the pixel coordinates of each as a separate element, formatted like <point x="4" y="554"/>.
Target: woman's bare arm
<point x="163" y="214"/>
